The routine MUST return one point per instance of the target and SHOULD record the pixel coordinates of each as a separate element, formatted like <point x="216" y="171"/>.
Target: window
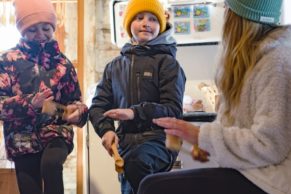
<point x="286" y="12"/>
<point x="9" y="35"/>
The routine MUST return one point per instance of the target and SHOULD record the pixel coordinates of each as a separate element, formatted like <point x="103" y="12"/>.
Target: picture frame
<point x="196" y="22"/>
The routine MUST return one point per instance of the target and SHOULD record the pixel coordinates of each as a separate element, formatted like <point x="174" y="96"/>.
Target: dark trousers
<point x="144" y="154"/>
<point x="42" y="173"/>
<point x="206" y="181"/>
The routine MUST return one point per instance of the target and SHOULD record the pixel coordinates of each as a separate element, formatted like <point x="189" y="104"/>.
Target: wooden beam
<point x="80" y="72"/>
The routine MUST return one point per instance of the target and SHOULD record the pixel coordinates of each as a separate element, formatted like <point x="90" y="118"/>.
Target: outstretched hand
<point x="120" y="114"/>
<point x="180" y="128"/>
<point x="186" y="131"/>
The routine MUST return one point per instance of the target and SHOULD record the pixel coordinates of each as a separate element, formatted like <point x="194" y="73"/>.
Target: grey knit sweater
<point x="259" y="142"/>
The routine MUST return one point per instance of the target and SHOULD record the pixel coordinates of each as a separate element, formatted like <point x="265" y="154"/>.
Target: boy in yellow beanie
<point x="143" y="83"/>
<point x="32" y="73"/>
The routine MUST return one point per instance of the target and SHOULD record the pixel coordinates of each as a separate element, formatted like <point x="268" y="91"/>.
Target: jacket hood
<point x="164" y="38"/>
<point x="164" y="44"/>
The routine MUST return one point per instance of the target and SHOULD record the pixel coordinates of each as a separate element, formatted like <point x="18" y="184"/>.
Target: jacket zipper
<point x="138" y="86"/>
<point x="131" y="88"/>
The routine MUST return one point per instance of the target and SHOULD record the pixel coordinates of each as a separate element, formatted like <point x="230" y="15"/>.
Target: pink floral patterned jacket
<point x="25" y="70"/>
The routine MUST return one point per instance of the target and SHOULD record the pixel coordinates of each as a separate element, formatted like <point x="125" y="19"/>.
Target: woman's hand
<point x="186" y="131"/>
<point x="180" y="128"/>
<point x="120" y="114"/>
<point x="108" y="139"/>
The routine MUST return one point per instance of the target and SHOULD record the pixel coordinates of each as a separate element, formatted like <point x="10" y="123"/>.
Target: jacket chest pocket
<point x="147" y="83"/>
<point x="148" y="74"/>
<point x="149" y="77"/>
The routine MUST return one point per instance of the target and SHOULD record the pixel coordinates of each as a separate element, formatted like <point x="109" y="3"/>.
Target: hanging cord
<point x="88" y="158"/>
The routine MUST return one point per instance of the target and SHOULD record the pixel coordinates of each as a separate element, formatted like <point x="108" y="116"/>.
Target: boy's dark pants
<point x="46" y="167"/>
<point x="144" y="154"/>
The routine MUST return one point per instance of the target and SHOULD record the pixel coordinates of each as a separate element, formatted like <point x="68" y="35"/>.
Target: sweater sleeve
<point x="266" y="139"/>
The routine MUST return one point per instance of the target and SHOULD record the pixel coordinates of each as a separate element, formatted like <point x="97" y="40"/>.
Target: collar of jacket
<point x="47" y="55"/>
<point x="163" y="44"/>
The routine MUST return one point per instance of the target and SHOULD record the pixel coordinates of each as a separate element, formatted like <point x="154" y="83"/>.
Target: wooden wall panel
<point x="8" y="183"/>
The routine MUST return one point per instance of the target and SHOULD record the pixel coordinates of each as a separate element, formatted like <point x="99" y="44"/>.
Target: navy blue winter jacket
<point x="146" y="78"/>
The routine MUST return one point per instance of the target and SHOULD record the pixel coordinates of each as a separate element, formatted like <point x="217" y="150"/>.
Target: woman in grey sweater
<point x="250" y="139"/>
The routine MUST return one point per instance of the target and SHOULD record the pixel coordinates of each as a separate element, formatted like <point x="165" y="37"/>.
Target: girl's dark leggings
<point x="206" y="181"/>
<point x="42" y="173"/>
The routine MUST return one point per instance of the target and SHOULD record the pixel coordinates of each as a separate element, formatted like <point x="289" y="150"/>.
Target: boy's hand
<point x="108" y="139"/>
<point x="120" y="114"/>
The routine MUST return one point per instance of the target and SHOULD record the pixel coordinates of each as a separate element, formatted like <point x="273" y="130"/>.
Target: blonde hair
<point x="239" y="41"/>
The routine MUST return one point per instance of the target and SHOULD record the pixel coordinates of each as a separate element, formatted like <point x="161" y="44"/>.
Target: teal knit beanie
<point x="261" y="11"/>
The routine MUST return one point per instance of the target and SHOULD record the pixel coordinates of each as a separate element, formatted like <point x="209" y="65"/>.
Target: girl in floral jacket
<point x="33" y="72"/>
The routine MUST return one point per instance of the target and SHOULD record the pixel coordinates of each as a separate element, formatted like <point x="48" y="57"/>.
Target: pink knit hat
<point x="30" y="12"/>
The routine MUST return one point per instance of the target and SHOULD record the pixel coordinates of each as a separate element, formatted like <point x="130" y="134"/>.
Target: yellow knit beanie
<point x="137" y="6"/>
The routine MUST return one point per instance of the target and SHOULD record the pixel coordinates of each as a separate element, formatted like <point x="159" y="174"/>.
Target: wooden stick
<point x="52" y="108"/>
<point x="196" y="153"/>
<point x="173" y="142"/>
<point x="119" y="162"/>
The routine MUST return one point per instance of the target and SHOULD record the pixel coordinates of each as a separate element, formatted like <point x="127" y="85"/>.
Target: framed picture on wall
<point x="197" y="23"/>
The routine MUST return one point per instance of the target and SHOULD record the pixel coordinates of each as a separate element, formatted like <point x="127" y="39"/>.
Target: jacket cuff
<point x="101" y="132"/>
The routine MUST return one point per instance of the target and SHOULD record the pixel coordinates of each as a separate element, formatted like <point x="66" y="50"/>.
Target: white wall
<point x="102" y="176"/>
<point x="199" y="64"/>
<point x="286" y="12"/>
<point x="198" y="61"/>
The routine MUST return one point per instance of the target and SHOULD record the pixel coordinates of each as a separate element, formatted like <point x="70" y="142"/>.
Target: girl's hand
<point x="120" y="114"/>
<point x="108" y="139"/>
<point x="180" y="128"/>
<point x="74" y="113"/>
<point x="39" y="98"/>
